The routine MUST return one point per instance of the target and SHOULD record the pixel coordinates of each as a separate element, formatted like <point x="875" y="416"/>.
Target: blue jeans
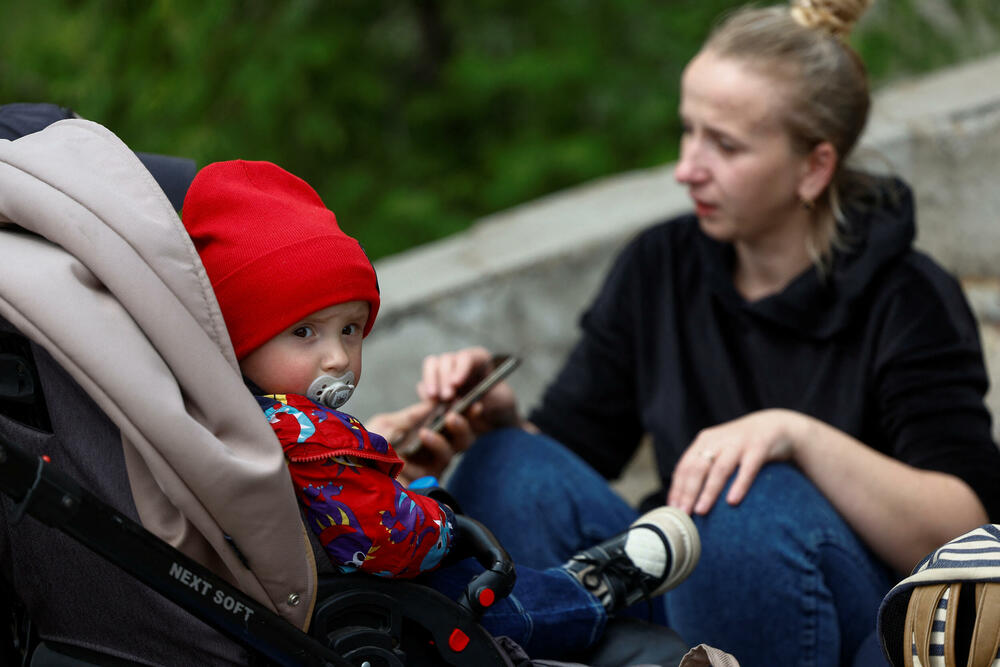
<point x="782" y="579"/>
<point x="548" y="613"/>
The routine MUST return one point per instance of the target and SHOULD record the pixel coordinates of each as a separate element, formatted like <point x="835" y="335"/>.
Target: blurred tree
<point x="411" y="119"/>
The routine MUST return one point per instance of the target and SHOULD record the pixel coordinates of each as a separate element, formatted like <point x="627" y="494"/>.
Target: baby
<point x="298" y="297"/>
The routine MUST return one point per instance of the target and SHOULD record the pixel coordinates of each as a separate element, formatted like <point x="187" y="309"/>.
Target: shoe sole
<point x="685" y="545"/>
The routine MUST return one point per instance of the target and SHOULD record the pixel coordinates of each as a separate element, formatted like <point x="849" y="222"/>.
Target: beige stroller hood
<point x="113" y="289"/>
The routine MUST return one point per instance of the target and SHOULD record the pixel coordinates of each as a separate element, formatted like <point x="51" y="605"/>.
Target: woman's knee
<point x="783" y="553"/>
<point x="770" y="542"/>
<point x="782" y="505"/>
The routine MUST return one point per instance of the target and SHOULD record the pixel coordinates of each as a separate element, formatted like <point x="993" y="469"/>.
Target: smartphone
<point x="504" y="366"/>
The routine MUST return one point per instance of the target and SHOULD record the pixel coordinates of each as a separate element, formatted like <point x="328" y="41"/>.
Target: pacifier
<point x="332" y="391"/>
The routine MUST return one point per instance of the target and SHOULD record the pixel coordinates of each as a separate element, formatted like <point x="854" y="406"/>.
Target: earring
<point x="808" y="204"/>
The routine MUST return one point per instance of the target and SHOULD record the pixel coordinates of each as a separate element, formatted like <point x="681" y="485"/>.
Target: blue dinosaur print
<point x="437" y="552"/>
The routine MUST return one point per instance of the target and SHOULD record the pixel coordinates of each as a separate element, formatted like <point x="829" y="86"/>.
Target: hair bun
<point x="835" y="16"/>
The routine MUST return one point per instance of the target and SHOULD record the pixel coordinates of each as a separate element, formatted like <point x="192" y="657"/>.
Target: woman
<point x="812" y="384"/>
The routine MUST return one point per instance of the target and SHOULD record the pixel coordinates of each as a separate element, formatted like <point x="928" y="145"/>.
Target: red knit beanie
<point x="273" y="251"/>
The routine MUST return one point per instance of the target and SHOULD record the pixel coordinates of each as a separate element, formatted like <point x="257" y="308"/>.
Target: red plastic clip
<point x="487" y="597"/>
<point x="458" y="640"/>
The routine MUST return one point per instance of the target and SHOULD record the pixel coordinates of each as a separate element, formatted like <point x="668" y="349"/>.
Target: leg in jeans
<point x="548" y="613"/>
<point x="782" y="580"/>
<point x="541" y="500"/>
<point x="545" y="505"/>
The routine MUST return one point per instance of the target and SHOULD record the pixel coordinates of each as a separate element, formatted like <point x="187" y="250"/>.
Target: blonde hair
<point x="826" y="93"/>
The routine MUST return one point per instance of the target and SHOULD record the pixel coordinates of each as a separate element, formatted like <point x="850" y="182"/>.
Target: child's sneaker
<point x="657" y="552"/>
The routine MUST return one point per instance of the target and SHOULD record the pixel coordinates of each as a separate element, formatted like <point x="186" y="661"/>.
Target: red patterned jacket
<point x="345" y="479"/>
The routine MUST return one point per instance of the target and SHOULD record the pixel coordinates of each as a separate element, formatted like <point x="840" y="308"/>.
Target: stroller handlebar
<point x="475" y="540"/>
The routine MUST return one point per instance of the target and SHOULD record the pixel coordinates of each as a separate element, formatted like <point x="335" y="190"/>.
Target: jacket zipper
<point x="395" y="465"/>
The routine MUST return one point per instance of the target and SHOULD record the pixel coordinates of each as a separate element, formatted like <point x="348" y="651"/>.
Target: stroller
<point x="125" y="425"/>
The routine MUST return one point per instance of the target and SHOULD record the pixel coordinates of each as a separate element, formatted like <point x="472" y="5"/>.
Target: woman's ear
<point x="818" y="170"/>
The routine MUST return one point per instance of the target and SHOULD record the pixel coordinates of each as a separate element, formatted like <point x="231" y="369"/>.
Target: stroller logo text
<point x="227" y="602"/>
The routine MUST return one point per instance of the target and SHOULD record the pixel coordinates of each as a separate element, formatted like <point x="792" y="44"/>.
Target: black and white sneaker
<point x="657" y="552"/>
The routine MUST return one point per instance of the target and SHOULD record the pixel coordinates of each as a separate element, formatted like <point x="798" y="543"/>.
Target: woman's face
<point x="736" y="157"/>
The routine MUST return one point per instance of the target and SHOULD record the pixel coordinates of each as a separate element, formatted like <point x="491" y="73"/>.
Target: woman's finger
<point x="689" y="478"/>
<point x="747" y="473"/>
<point x="442" y="374"/>
<point x="431" y="458"/>
<point x="446" y="374"/>
<point x="461" y="369"/>
<point x="720" y="468"/>
<point x="428" y="386"/>
<point x="675" y="493"/>
<point x="459" y="432"/>
<point x="480" y="363"/>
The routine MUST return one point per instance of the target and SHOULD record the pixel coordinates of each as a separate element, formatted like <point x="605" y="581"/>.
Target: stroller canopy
<point x="99" y="271"/>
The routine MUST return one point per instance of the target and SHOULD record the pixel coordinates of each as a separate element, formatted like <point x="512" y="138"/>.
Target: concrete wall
<point x="517" y="281"/>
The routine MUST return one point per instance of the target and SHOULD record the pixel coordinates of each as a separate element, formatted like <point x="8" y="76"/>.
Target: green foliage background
<point x="412" y="119"/>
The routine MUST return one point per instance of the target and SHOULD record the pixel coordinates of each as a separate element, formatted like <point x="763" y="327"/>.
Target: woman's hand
<point x="901" y="512"/>
<point x="446" y="375"/>
<point x="430" y="452"/>
<point x="745" y="444"/>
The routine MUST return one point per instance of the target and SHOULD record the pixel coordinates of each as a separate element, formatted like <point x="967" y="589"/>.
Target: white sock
<point x="646" y="549"/>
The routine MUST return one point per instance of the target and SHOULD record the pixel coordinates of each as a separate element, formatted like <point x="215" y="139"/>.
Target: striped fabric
<point x="977" y="549"/>
<point x="954" y="569"/>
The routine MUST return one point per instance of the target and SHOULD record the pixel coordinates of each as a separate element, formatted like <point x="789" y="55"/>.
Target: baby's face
<point x="328" y="342"/>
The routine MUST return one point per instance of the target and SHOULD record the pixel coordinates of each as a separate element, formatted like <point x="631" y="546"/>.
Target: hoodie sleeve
<point x="344" y="478"/>
<point x="931" y="380"/>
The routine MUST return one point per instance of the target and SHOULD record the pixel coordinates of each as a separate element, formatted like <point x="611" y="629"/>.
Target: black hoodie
<point x="883" y="348"/>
